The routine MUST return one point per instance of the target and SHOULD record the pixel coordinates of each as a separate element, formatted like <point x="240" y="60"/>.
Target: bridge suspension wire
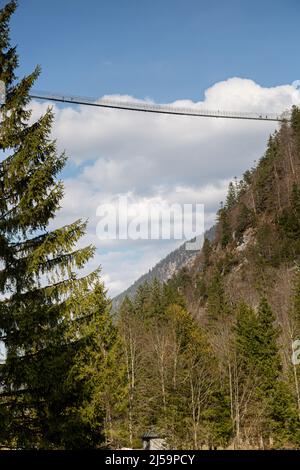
<point x="159" y="108"/>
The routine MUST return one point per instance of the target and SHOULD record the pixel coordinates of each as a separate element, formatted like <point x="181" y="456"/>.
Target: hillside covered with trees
<point x="210" y="351"/>
<point x="56" y="332"/>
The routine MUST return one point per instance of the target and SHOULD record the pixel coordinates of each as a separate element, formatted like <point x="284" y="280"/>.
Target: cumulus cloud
<point x="177" y="159"/>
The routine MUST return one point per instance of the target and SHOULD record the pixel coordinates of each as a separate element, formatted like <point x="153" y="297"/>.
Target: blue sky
<point x="234" y="55"/>
<point x="164" y="49"/>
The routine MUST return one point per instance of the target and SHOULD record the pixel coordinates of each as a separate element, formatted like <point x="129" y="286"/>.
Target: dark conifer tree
<point x="45" y="307"/>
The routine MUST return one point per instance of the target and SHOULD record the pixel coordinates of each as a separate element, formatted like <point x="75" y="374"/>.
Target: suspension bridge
<point x="148" y="107"/>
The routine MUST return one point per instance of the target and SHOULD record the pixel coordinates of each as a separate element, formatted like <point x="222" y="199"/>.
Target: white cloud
<point x="179" y="159"/>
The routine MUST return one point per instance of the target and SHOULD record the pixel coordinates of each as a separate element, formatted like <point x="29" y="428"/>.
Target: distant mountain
<point x="166" y="268"/>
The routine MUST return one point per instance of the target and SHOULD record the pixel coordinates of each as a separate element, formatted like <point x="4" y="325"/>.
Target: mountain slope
<point x="164" y="269"/>
<point x="256" y="250"/>
<point x="213" y="349"/>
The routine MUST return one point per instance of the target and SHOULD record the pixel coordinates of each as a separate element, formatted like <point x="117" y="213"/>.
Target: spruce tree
<point x="206" y="251"/>
<point x="290" y="219"/>
<point x="45" y="307"/>
<point x="156" y="309"/>
<point x="258" y="358"/>
<point x="295" y="125"/>
<point x="142" y="300"/>
<point x="245" y="331"/>
<point x="267" y="354"/>
<point x="218" y="307"/>
<point x="256" y="337"/>
<point x="231" y="196"/>
<point x="220" y="423"/>
<point x="247" y="378"/>
<point x="223" y="219"/>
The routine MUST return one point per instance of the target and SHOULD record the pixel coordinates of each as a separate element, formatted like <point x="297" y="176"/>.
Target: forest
<point x="204" y="359"/>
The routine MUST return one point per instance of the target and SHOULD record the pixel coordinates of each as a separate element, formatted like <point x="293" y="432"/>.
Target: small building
<point x="153" y="441"/>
